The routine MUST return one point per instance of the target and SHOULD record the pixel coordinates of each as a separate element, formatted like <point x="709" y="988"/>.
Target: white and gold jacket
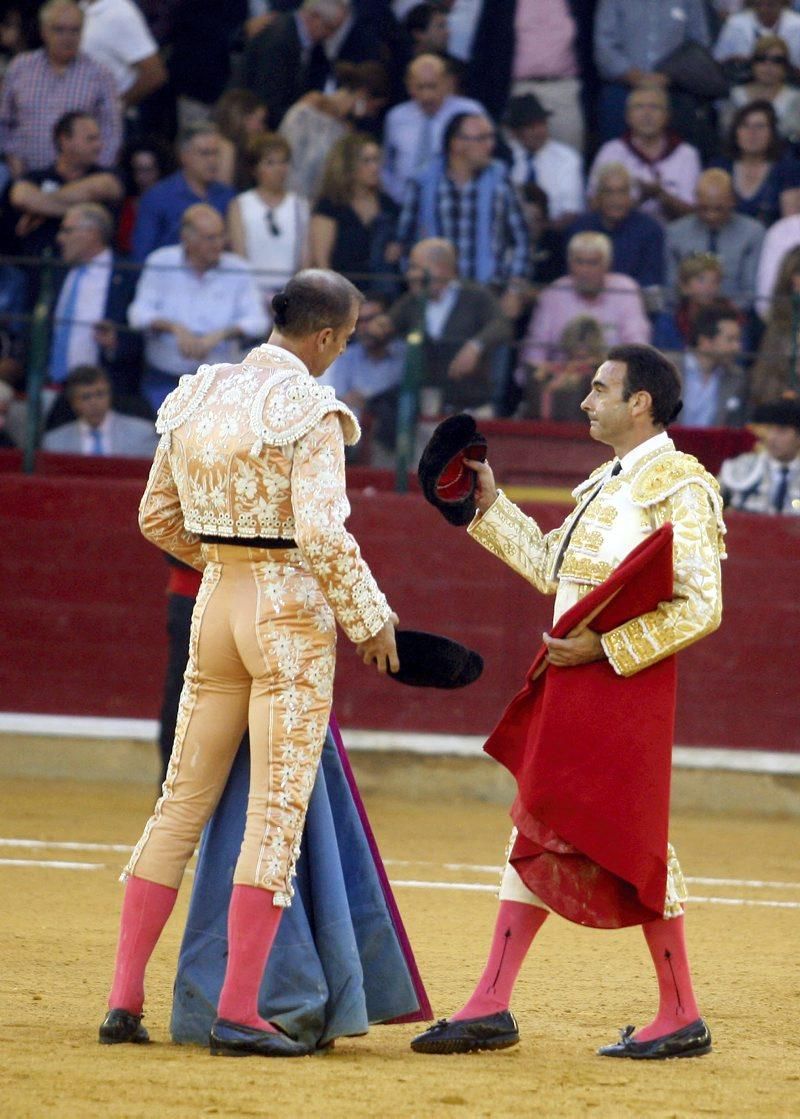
<point x="257" y="450"/>
<point x="656" y="485"/>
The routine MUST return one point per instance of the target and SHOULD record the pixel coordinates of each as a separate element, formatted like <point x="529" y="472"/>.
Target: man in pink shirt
<point x="665" y="168"/>
<point x="613" y="300"/>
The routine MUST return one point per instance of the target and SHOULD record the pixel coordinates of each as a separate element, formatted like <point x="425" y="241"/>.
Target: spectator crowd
<point x="518" y="184"/>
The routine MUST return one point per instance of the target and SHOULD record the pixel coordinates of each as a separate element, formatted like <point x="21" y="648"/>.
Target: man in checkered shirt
<point x="465" y="196"/>
<point x="40" y="86"/>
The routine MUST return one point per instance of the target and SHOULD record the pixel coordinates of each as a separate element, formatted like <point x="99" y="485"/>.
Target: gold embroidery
<point x="582" y="569"/>
<point x="676" y="892"/>
<point x="601" y="513"/>
<point x="518" y="541"/>
<point x="586" y="539"/>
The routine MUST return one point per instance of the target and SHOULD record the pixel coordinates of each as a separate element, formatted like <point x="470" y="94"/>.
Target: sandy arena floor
<point x="58" y="934"/>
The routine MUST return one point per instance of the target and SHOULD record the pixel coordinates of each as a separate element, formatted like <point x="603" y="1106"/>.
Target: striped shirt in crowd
<point x="35" y="95"/>
<point x="456" y="209"/>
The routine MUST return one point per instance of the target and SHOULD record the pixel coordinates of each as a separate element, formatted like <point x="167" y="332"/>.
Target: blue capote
<point x="341" y="959"/>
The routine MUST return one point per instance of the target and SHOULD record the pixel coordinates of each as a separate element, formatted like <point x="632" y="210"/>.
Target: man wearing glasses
<point x="465" y="196"/>
<point x="41" y="86"/>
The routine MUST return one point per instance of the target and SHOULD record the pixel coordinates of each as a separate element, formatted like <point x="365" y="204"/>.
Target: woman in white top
<point x="268" y="225"/>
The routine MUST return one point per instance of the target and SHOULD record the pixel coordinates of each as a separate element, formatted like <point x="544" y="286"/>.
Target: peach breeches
<point x="261" y="655"/>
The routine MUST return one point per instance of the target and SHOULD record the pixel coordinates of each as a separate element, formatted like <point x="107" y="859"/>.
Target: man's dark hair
<point x="453" y="128"/>
<point x="312" y="300"/>
<point x="83" y="375"/>
<point x="647" y="370"/>
<point x="705" y="323"/>
<point x="419" y="17"/>
<point x="63" y="127"/>
<point x="533" y="193"/>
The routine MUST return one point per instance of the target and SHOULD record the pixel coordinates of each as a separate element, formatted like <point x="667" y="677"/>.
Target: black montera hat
<point x="428" y="660"/>
<point x="446" y="482"/>
<point x="782" y="413"/>
<point x="525" y="108"/>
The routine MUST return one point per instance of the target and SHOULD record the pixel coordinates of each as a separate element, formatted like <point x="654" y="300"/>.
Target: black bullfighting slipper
<point x="469" y="1035"/>
<point x="120" y="1026"/>
<point x="230" y="1039"/>
<point x="691" y="1041"/>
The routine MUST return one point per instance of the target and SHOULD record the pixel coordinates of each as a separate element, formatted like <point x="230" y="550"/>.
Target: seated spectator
<point x="6" y="396"/>
<point x="268" y="225"/>
<point x="297" y="51"/>
<point x="37" y="201"/>
<point x="591" y="289"/>
<point x="314" y="124"/>
<point x="463" y="329"/>
<point x="636" y="238"/>
<point x="716" y="228"/>
<point x="143" y="163"/>
<point x="161" y="208"/>
<point x="117" y="36"/>
<point x="98" y="430"/>
<point x="699" y="283"/>
<point x="414" y="130"/>
<point x="770" y="67"/>
<point x="630" y="41"/>
<point x="366" y="377"/>
<point x="766" y="180"/>
<point x="777" y="367"/>
<point x="92" y="304"/>
<point x="558" y="388"/>
<point x="354" y="222"/>
<point x="548" y="257"/>
<point x="41" y="86"/>
<point x="195" y="303"/>
<point x="240" y="118"/>
<point x="465" y="197"/>
<point x="767" y="480"/>
<point x="536" y="158"/>
<point x="742" y="31"/>
<point x="714" y="384"/>
<point x="664" y="167"/>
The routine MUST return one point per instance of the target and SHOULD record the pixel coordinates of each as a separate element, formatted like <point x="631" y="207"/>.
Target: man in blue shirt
<point x="714" y="385"/>
<point x="637" y="239"/>
<point x="161" y="208"/>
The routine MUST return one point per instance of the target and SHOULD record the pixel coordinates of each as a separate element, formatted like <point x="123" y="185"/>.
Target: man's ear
<point x="642" y="403"/>
<point x="324" y="337"/>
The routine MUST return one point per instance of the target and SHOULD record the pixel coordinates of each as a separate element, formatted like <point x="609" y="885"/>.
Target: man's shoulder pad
<point x="666" y="474"/>
<point x="294" y="403"/>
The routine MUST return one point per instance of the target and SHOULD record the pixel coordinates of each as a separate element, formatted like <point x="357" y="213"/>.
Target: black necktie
<point x="713" y="237"/>
<point x="781" y="489"/>
<point x="565" y="542"/>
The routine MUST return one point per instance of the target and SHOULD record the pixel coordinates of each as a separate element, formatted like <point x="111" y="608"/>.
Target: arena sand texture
<point x="59" y="930"/>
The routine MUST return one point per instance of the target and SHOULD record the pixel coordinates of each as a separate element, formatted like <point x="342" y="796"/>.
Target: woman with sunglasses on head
<point x="354" y="221"/>
<point x="771" y="69"/>
<point x="268" y="225"/>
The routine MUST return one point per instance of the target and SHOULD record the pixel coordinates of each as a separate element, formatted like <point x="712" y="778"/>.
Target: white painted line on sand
<point x="52" y="864"/>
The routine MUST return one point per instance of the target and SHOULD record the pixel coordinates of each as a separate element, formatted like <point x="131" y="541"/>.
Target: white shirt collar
<point x="654" y="443"/>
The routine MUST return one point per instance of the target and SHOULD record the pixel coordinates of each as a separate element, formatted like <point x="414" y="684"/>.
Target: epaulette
<point x="184" y="400"/>
<point x="668" y="472"/>
<point x="291" y="403"/>
<point x="742" y="472"/>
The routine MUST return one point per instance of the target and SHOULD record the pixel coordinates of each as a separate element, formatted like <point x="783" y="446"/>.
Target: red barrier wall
<point x="82" y="616"/>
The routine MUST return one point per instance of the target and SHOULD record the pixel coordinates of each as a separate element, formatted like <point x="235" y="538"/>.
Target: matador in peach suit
<point x="248" y="486"/>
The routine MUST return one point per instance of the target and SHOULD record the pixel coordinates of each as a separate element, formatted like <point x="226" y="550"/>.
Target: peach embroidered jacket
<point x="612" y="515"/>
<point x="257" y="450"/>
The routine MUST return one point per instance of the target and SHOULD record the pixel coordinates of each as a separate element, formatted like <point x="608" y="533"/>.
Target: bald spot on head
<point x="428" y="82"/>
<point x="715" y="198"/>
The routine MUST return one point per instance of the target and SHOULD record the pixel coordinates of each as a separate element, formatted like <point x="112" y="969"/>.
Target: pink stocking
<point x="253" y="921"/>
<point x="676" y="1005"/>
<point x="145" y="910"/>
<point x="517" y="924"/>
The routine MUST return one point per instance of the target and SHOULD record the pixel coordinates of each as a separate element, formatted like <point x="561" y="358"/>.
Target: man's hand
<point x="583" y="648"/>
<point x="466" y="361"/>
<point x="485" y="490"/>
<point x="381" y="650"/>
